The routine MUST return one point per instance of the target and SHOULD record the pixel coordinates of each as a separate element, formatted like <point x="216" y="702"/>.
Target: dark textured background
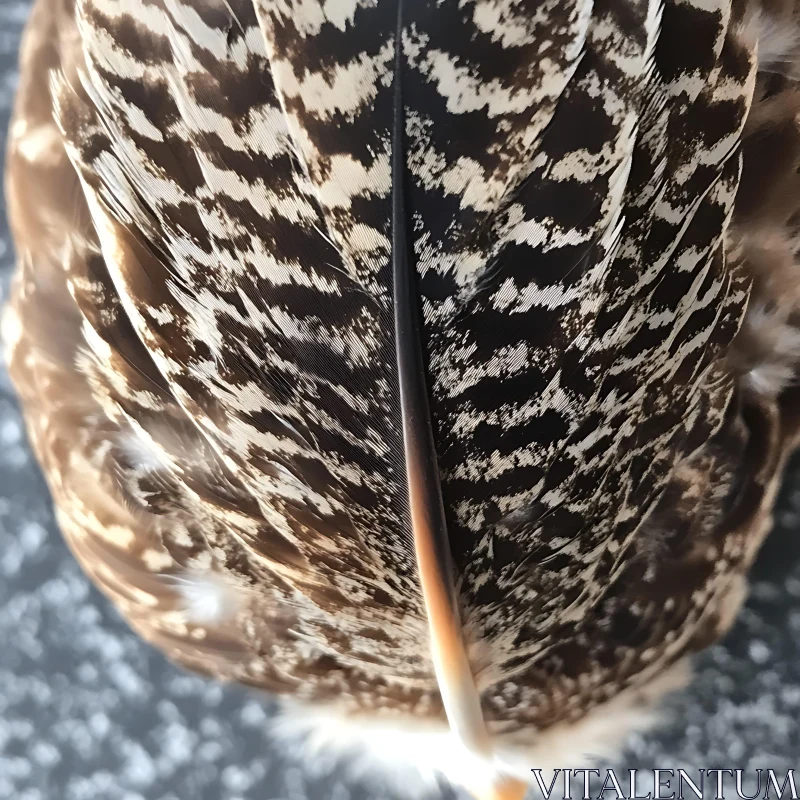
<point x="89" y="712"/>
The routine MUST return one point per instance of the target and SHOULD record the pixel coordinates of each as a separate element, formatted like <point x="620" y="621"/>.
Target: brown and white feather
<point x="600" y="202"/>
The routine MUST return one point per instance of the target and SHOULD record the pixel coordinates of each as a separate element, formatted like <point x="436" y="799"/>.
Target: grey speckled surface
<point x="88" y="712"/>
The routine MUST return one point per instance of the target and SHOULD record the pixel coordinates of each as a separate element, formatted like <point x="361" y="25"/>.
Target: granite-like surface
<point x="89" y="712"/>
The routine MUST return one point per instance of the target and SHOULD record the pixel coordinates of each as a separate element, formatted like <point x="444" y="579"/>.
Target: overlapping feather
<point x="571" y="173"/>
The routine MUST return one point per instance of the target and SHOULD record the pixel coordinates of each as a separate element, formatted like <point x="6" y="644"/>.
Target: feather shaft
<point x="429" y="525"/>
<point x="434" y="563"/>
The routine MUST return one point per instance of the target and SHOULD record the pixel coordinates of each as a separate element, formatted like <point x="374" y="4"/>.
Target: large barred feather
<point x="393" y="365"/>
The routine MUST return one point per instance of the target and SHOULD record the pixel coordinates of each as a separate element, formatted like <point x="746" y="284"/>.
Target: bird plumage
<point x="278" y="327"/>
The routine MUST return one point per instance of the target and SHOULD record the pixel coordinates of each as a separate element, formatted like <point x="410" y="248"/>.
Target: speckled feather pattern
<point x="201" y="332"/>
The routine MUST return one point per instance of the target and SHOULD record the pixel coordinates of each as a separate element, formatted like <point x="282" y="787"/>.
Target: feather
<point x="401" y="342"/>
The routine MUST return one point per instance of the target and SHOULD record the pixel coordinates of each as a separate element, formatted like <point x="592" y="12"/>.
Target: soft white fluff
<point x="413" y="757"/>
<point x="207" y="597"/>
<point x="781" y="340"/>
<point x="777" y="43"/>
<point x="769" y="379"/>
<point x="143" y="453"/>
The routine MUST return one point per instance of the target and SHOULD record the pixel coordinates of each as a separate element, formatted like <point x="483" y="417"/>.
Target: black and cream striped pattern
<point x="229" y="397"/>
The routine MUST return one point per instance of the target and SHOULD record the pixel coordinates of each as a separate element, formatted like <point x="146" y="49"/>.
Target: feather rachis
<point x="426" y="507"/>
